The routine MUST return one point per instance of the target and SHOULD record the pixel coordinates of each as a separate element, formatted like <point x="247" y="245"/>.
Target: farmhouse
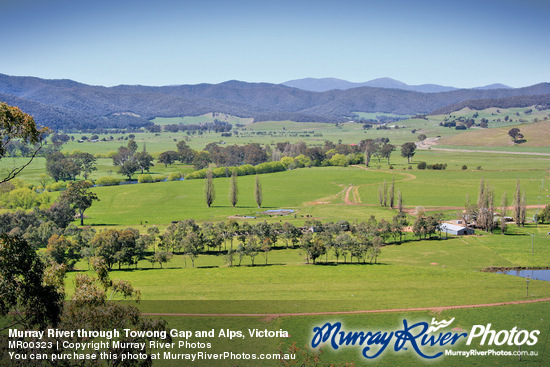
<point x="455" y="229"/>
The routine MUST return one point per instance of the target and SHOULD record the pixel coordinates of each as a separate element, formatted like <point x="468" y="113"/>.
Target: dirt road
<point x="393" y="310"/>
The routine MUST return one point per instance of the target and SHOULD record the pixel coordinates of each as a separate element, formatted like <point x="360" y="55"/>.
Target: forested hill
<point x="542" y="100"/>
<point x="62" y="104"/>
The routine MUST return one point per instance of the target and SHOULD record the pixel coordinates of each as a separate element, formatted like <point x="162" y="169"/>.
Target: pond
<point x="537" y="274"/>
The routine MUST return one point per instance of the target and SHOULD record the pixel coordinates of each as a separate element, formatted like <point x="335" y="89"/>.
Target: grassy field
<point x="374" y="115"/>
<point x="406" y="272"/>
<point x="300" y="329"/>
<point x="318" y="192"/>
<point x="104" y="167"/>
<point x="427" y="273"/>
<point x="161" y="203"/>
<point x="202" y="119"/>
<point x="493" y="114"/>
<point x="449" y="188"/>
<point x="536" y="135"/>
<point x="415" y="274"/>
<point x="271" y="132"/>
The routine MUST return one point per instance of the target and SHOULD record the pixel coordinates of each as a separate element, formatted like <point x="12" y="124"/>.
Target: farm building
<point x="455" y="230"/>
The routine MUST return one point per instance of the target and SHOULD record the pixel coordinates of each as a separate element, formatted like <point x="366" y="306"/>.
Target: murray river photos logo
<point x="418" y="337"/>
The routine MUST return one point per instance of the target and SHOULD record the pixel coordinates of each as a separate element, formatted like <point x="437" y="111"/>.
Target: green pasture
<point x="404" y="276"/>
<point x="348" y="133"/>
<point x="154" y="143"/>
<point x="527" y="317"/>
<point x="455" y="160"/>
<point x="300" y="329"/>
<point x="374" y="115"/>
<point x="161" y="203"/>
<point x="449" y="188"/>
<point x="265" y="133"/>
<point x="314" y="133"/>
<point x="493" y="114"/>
<point x="202" y="119"/>
<point x="104" y="167"/>
<point x="317" y="192"/>
<point x="30" y="174"/>
<point x="428" y="273"/>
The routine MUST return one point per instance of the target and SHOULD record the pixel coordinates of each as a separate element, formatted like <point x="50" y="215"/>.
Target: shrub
<point x="196" y="175"/>
<point x="286" y="161"/>
<point x="422" y="165"/>
<point x="159" y="178"/>
<point x="302" y="161"/>
<point x="219" y="172"/>
<point x="56" y="186"/>
<point x="338" y="160"/>
<point x="269" y="167"/>
<point x="437" y="166"/>
<point x="107" y="181"/>
<point x="174" y="176"/>
<point x="479" y="168"/>
<point x="246" y="170"/>
<point x="464" y="167"/>
<point x="23" y="198"/>
<point x="145" y="178"/>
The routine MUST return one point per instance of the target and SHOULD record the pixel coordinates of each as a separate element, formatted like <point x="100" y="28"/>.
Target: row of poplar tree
<point x="210" y="192"/>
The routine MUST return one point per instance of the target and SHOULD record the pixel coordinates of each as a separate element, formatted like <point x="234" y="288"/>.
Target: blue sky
<point x="460" y="43"/>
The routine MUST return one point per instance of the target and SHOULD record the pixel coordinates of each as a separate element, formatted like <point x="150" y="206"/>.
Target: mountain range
<point x="66" y="104"/>
<point x="326" y="84"/>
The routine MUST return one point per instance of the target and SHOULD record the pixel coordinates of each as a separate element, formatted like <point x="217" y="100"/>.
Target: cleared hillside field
<point x="449" y="188"/>
<point x="163" y="202"/>
<point x="319" y="192"/>
<point x="536" y="134"/>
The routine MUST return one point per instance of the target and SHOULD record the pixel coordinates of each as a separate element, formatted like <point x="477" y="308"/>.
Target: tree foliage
<point x="60" y="167"/>
<point x="519" y="205"/>
<point x="17" y="125"/>
<point x="209" y="191"/>
<point x="233" y="190"/>
<point x="24" y="291"/>
<point x="408" y="151"/>
<point x="515" y="134"/>
<point x="79" y="196"/>
<point x="258" y="194"/>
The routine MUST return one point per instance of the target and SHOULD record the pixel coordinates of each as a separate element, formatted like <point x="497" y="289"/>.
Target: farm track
<point x="352" y="196"/>
<point x="393" y="310"/>
<point x="489" y="151"/>
<point x="430" y="144"/>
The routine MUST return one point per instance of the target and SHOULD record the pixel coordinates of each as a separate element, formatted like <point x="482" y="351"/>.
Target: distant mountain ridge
<point x="326" y="84"/>
<point x="65" y="104"/>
